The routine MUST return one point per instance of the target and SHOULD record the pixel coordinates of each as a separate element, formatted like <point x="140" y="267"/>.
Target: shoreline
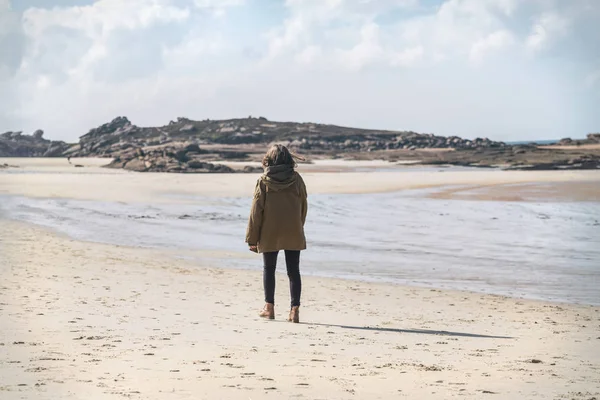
<point x="200" y="259"/>
<point x="206" y="258"/>
<point x="139" y="324"/>
<point x="126" y="205"/>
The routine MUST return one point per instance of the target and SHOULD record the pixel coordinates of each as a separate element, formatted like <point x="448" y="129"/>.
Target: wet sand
<point x="539" y="191"/>
<point x="99" y="321"/>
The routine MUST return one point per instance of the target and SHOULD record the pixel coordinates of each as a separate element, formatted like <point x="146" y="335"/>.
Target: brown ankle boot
<point x="268" y="311"/>
<point x="294" y="315"/>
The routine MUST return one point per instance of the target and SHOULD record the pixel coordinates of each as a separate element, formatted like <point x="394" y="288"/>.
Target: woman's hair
<point x="278" y="154"/>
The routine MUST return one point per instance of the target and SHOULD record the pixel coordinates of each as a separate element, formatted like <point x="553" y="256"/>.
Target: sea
<point x="534" y="250"/>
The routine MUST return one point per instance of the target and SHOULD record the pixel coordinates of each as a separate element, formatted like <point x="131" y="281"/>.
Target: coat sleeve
<point x="304" y="196"/>
<point x="256" y="215"/>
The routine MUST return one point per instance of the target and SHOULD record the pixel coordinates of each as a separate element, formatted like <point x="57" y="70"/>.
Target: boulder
<point x="248" y="169"/>
<point x="594" y="137"/>
<point x="223" y="169"/>
<point x="195" y="164"/>
<point x="174" y="168"/>
<point x="181" y="156"/>
<point x="136" y="165"/>
<point x="193" y="148"/>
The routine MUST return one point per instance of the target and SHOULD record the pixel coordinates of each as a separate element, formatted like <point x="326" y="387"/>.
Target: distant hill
<point x="188" y="146"/>
<point x="121" y="135"/>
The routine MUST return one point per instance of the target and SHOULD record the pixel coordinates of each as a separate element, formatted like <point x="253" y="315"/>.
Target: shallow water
<point x="548" y="251"/>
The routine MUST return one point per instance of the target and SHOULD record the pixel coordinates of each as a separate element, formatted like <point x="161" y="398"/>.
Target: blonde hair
<point x="278" y="154"/>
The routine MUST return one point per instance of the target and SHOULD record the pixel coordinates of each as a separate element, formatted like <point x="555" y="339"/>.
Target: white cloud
<point x="309" y="20"/>
<point x="545" y="29"/>
<point x="103" y="16"/>
<point x="290" y="39"/>
<point x="465" y="27"/>
<point x="309" y="55"/>
<point x="217" y="7"/>
<point x="82" y="38"/>
<point x="408" y="56"/>
<point x="218" y="3"/>
<point x="494" y="41"/>
<point x="366" y="51"/>
<point x="459" y="27"/>
<point x="189" y="54"/>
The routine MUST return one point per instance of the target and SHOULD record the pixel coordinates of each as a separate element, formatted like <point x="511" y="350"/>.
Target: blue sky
<point x="504" y="69"/>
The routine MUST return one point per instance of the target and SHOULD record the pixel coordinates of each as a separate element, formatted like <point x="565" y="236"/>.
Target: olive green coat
<point x="278" y="211"/>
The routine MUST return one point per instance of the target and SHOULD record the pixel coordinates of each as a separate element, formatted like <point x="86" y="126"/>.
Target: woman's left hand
<point x="254" y="249"/>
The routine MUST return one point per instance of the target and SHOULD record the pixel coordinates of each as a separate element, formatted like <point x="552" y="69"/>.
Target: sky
<point x="504" y="69"/>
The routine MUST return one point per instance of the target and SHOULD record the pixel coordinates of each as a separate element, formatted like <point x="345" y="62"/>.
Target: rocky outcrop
<point x="15" y="144"/>
<point x="111" y="139"/>
<point x="171" y="159"/>
<point x="188" y="146"/>
<point x="120" y="136"/>
<point x="592" y="138"/>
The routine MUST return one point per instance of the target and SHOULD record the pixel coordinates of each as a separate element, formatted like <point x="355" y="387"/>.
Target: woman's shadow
<point x="418" y="331"/>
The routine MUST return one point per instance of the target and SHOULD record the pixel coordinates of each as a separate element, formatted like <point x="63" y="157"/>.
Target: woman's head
<point x="278" y="154"/>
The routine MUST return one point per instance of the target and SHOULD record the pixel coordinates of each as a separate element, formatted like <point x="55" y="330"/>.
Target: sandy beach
<point x="100" y="321"/>
<point x="56" y="178"/>
<point x="83" y="320"/>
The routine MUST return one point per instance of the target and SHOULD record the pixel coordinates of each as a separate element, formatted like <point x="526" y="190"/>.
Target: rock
<point x="594" y="137"/>
<point x="248" y="169"/>
<point x="135" y="165"/>
<point x="195" y="164"/>
<point x="174" y="168"/>
<point x="223" y="169"/>
<point x="54" y="150"/>
<point x="165" y="160"/>
<point x="181" y="156"/>
<point x="15" y="144"/>
<point x="192" y="148"/>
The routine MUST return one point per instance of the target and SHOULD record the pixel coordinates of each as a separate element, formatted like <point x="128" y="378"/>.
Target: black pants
<point x="292" y="261"/>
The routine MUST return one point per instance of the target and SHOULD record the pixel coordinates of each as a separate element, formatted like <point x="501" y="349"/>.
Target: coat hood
<point x="279" y="177"/>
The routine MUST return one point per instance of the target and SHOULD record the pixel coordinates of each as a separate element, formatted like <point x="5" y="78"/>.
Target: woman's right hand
<point x="254" y="249"/>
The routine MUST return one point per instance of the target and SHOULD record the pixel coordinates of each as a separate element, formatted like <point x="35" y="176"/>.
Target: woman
<point x="276" y="223"/>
